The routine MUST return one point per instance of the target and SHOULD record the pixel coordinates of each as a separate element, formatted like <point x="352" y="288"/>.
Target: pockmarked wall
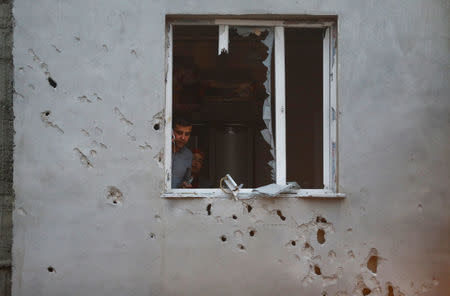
<point x="89" y="87"/>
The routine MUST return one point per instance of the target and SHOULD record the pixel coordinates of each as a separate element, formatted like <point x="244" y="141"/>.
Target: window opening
<point x="304" y="106"/>
<point x="227" y="100"/>
<point x="260" y="101"/>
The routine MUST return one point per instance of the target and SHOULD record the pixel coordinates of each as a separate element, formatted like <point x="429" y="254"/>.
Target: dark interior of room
<point x="223" y="96"/>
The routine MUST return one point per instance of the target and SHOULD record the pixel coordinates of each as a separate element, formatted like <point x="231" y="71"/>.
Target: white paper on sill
<point x="276" y="189"/>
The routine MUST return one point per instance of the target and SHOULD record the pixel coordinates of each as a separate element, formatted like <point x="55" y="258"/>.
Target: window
<point x="260" y="96"/>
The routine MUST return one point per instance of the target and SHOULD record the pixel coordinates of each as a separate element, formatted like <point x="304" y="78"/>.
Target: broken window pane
<point x="304" y="101"/>
<point x="227" y="100"/>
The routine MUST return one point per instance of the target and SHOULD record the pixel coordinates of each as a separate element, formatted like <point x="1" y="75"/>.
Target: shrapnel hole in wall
<point x="372" y="264"/>
<point x="280" y="214"/>
<point x="321" y="236"/>
<point x="52" y="82"/>
<point x="390" y="290"/>
<point x="208" y="209"/>
<point x="320" y="219"/>
<point x="317" y="270"/>
<point x="249" y="208"/>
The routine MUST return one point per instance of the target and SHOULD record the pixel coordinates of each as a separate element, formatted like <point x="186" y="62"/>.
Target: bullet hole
<point x="320" y="219"/>
<point x="223" y="238"/>
<point x="420" y="208"/>
<point x="208" y="209"/>
<point x="114" y="195"/>
<point x="156" y="127"/>
<point x="317" y="270"/>
<point x="366" y="291"/>
<point x="293" y="243"/>
<point x="249" y="208"/>
<point x="50" y="269"/>
<point x="241" y="247"/>
<point x="252" y="232"/>
<point x="390" y="291"/>
<point x="152" y="235"/>
<point x="46" y="113"/>
<point x="52" y="82"/>
<point x="321" y="236"/>
<point x="372" y="264"/>
<point x="281" y="215"/>
<point x="307" y="245"/>
<point x="234" y="217"/>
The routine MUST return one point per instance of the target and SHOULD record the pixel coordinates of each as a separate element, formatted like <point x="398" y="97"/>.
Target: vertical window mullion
<point x="333" y="107"/>
<point x="326" y="109"/>
<point x="280" y="108"/>
<point x="168" y="111"/>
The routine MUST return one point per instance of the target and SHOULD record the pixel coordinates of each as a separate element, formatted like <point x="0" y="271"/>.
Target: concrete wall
<point x="75" y="141"/>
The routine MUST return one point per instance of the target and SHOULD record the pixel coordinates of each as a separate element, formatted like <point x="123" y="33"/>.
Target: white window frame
<point x="330" y="154"/>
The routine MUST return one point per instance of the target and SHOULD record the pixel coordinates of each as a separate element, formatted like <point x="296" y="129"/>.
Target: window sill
<point x="249" y="194"/>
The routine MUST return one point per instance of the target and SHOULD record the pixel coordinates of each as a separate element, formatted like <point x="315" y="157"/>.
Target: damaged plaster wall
<point x="89" y="220"/>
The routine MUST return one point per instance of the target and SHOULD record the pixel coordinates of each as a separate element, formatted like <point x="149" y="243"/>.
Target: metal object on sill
<point x="232" y="186"/>
<point x="275" y="189"/>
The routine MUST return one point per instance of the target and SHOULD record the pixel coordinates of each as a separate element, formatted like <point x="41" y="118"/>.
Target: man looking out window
<point x="181" y="155"/>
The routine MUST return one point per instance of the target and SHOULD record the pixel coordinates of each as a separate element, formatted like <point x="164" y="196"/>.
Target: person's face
<point x="181" y="135"/>
<point x="197" y="163"/>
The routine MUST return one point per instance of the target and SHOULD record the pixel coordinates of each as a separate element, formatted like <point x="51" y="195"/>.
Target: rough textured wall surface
<point x="89" y="85"/>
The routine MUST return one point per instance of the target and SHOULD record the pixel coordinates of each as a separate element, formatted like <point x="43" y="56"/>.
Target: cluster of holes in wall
<point x="320" y="219"/>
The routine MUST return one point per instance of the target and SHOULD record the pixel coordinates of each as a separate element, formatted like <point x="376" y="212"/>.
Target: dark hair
<point x="181" y="122"/>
